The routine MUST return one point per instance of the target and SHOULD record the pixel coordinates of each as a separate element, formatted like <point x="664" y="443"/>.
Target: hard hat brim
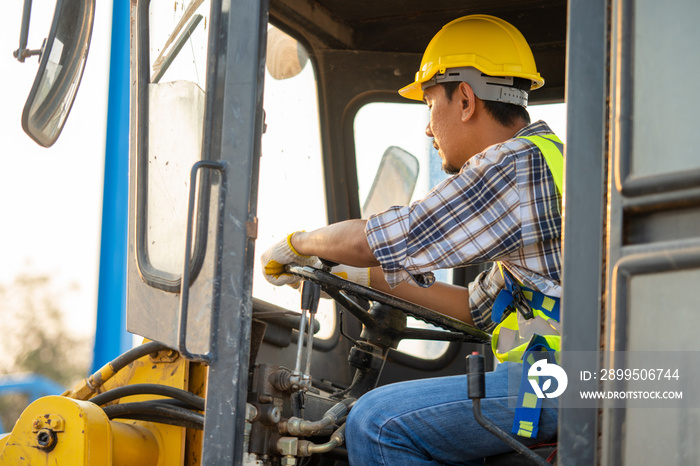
<point x="413" y="91"/>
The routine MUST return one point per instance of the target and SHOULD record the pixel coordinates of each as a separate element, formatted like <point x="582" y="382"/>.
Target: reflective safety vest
<point x="527" y="313"/>
<point x="528" y="321"/>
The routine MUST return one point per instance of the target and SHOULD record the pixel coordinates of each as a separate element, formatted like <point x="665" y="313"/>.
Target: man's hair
<point x="505" y="114"/>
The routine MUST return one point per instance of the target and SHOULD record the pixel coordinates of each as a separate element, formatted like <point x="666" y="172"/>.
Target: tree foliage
<point x="35" y="337"/>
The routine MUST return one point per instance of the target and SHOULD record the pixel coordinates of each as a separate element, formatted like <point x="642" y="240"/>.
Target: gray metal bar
<point x="300" y="342"/>
<point x="24" y="31"/>
<point x="233" y="129"/>
<point x="653" y="201"/>
<point x="583" y="229"/>
<point x="631" y="185"/>
<point x="504" y="436"/>
<point x="22" y="52"/>
<point x="660" y="247"/>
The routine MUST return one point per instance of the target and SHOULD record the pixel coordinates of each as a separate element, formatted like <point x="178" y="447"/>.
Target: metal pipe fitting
<point x="302" y="427"/>
<point x="306" y="448"/>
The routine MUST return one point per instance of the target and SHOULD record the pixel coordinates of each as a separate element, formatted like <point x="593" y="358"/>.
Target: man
<point x="501" y="204"/>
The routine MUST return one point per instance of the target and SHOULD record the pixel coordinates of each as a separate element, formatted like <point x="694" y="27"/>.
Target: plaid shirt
<point x="502" y="206"/>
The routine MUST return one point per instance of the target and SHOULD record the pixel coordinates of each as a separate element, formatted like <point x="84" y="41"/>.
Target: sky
<point x="52" y="198"/>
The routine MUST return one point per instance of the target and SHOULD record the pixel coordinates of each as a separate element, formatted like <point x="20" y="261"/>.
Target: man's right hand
<point x="278" y="256"/>
<point x="359" y="275"/>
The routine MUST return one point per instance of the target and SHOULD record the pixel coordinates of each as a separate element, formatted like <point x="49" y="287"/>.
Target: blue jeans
<point x="430" y="421"/>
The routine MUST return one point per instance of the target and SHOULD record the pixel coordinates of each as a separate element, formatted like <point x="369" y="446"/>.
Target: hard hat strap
<point x="496" y="88"/>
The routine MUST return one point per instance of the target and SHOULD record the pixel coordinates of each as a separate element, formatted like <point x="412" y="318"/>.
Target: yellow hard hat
<point x="489" y="44"/>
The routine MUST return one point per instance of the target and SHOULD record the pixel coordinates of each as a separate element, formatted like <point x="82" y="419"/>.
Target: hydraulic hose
<point x="307" y="448"/>
<point x="126" y="358"/>
<point x="87" y="387"/>
<point x="186" y="397"/>
<point x="154" y="411"/>
<point x="296" y="426"/>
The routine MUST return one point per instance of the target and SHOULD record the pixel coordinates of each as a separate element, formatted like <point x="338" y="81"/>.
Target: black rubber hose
<point x="156" y="412"/>
<point x="178" y="403"/>
<point x="169" y="420"/>
<point x="92" y="384"/>
<point x="133" y="354"/>
<point x="190" y="399"/>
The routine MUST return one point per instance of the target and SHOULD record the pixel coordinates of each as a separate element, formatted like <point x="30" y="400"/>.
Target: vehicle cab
<point x="252" y="120"/>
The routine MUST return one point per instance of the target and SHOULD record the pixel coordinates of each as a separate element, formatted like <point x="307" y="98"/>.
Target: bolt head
<point x="46" y="439"/>
<point x="37" y="424"/>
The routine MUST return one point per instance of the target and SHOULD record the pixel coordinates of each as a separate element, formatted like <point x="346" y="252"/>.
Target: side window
<point x="291" y="191"/>
<point x="379" y="126"/>
<point x="552" y="114"/>
<point x="171" y="105"/>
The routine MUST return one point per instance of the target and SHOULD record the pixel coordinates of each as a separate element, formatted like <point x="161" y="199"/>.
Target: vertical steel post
<point x="584" y="232"/>
<point x="111" y="337"/>
<point x="233" y="133"/>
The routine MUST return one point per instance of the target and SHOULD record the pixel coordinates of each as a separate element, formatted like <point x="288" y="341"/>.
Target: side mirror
<point x="61" y="67"/>
<point x="394" y="182"/>
<point x="286" y="57"/>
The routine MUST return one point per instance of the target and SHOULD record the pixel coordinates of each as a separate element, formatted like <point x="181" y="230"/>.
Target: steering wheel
<point x="342" y="290"/>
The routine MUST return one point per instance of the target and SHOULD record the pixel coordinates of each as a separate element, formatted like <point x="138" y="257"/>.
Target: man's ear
<point x="467" y="100"/>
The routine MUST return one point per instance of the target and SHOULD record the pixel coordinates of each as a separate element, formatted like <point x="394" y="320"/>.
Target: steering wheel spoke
<point x="350" y="305"/>
<point x="337" y="287"/>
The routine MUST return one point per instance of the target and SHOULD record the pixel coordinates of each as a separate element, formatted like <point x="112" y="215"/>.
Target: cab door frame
<point x="233" y="129"/>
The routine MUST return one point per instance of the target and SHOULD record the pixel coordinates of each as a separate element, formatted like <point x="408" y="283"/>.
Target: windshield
<point x="291" y="190"/>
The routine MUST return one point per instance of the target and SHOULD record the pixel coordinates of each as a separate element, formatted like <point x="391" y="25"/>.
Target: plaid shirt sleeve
<point x="503" y="205"/>
<point x="472" y="217"/>
<point x="482" y="294"/>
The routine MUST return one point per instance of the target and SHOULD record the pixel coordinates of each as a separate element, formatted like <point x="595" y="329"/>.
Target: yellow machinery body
<point x="63" y="430"/>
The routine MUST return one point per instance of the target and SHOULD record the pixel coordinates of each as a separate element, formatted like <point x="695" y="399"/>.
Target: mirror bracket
<point x="23" y="52"/>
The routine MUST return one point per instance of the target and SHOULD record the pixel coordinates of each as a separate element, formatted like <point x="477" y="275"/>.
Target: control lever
<point x="310" y="296"/>
<point x="476" y="390"/>
<point x="327" y="265"/>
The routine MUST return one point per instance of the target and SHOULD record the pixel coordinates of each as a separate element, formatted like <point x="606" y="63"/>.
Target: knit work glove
<point x="359" y="275"/>
<point x="283" y="253"/>
<point x="354" y="274"/>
